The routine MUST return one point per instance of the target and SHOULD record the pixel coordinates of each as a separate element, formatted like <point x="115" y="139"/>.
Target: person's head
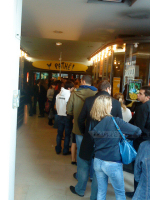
<point x="59" y="84"/>
<point x="104" y="86"/>
<point x="76" y="84"/>
<point x="86" y="80"/>
<point x="38" y="82"/>
<point x="69" y="85"/>
<point x="144" y="94"/>
<point x="101" y="108"/>
<point x="120" y="98"/>
<point x="53" y="84"/>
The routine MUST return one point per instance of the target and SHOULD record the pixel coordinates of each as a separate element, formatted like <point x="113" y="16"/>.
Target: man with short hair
<point x="87" y="146"/>
<point x="75" y="105"/>
<point x="65" y="123"/>
<point x="141" y="119"/>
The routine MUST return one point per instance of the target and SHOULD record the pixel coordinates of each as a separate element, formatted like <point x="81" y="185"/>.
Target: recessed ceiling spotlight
<point x="57" y="31"/>
<point x="58" y="43"/>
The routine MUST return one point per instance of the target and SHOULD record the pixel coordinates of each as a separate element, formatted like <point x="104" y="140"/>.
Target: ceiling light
<point x="58" y="43"/>
<point x="57" y="31"/>
<point x="116" y="1"/>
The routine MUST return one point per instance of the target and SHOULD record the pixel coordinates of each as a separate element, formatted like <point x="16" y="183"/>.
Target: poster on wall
<point x="133" y="89"/>
<point x="116" y="85"/>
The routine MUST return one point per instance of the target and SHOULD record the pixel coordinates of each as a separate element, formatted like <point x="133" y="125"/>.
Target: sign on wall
<point x="55" y="65"/>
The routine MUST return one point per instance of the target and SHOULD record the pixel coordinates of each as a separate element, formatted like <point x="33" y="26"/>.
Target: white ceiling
<point x="85" y="26"/>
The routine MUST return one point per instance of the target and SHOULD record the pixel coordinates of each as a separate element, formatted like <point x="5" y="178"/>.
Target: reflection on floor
<point x="41" y="174"/>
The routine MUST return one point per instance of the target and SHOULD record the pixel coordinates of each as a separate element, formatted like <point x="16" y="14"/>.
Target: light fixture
<point x="28" y="58"/>
<point x="114" y="47"/>
<point x="57" y="31"/>
<point x="115" y="61"/>
<point x="58" y="43"/>
<point x="136" y="45"/>
<point x="115" y="1"/>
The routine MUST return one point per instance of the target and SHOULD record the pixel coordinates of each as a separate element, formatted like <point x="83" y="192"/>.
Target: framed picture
<point x="133" y="89"/>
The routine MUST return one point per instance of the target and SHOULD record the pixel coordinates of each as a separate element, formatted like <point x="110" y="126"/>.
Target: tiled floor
<point x="41" y="174"/>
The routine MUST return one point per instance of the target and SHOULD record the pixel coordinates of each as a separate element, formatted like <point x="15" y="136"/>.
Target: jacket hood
<point x="88" y="86"/>
<point x="64" y="92"/>
<point x="83" y="93"/>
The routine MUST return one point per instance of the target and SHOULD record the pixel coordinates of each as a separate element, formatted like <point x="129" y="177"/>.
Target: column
<point x="10" y="13"/>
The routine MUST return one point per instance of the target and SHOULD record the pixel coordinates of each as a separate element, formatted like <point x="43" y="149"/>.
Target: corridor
<point x="41" y="174"/>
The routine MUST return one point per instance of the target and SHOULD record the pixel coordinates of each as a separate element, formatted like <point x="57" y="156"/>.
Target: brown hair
<point x="103" y="85"/>
<point x="87" y="79"/>
<point x="120" y="98"/>
<point x="147" y="90"/>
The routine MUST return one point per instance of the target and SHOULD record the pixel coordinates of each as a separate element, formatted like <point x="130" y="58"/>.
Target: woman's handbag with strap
<point x="127" y="152"/>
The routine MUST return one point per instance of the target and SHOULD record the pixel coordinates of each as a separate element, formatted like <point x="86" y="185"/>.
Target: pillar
<point x="10" y="13"/>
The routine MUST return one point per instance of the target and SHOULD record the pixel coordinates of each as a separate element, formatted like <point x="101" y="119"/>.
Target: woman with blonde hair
<point x="126" y="113"/>
<point x="107" y="161"/>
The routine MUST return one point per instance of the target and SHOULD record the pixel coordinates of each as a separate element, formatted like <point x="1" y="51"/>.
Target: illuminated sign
<point x="55" y="65"/>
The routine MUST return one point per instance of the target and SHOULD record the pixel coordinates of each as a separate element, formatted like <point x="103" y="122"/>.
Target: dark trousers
<point x="41" y="107"/>
<point x="34" y="105"/>
<point x="63" y="124"/>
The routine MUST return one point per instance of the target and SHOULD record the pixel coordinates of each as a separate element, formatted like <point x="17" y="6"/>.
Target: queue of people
<point x="84" y="115"/>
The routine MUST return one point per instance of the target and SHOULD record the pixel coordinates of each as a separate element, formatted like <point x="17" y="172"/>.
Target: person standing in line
<point x="141" y="118"/>
<point x="126" y="113"/>
<point x="35" y="94"/>
<point x="87" y="145"/>
<point x="50" y="94"/>
<point x="42" y="98"/>
<point x="65" y="123"/>
<point x="74" y="108"/>
<point x="107" y="161"/>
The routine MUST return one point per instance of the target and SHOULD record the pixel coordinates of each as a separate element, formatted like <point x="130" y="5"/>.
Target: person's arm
<point x="119" y="114"/>
<point x="56" y="105"/>
<point x="138" y="165"/>
<point x="70" y="105"/>
<point x="141" y="118"/>
<point x="116" y="108"/>
<point x="48" y="93"/>
<point x="128" y="129"/>
<point x="82" y="118"/>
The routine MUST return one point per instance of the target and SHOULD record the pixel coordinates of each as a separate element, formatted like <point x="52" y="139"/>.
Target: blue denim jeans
<point x="83" y="170"/>
<point x="113" y="171"/>
<point x="64" y="124"/>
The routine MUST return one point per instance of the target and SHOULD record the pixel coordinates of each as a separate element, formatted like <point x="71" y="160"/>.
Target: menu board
<point x="133" y="89"/>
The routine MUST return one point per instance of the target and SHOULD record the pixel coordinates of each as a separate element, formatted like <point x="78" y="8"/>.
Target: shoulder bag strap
<point x="118" y="128"/>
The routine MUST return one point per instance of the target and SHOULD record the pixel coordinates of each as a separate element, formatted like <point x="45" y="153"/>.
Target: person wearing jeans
<point x="113" y="170"/>
<point x="74" y="107"/>
<point x="83" y="173"/>
<point x="64" y="124"/>
<point x="107" y="161"/>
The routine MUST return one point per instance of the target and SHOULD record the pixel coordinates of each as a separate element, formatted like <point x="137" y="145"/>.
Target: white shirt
<point x="61" y="101"/>
<point x="126" y="114"/>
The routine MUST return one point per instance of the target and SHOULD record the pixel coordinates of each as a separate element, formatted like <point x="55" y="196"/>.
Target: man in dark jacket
<point x="141" y="119"/>
<point x="87" y="145"/>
